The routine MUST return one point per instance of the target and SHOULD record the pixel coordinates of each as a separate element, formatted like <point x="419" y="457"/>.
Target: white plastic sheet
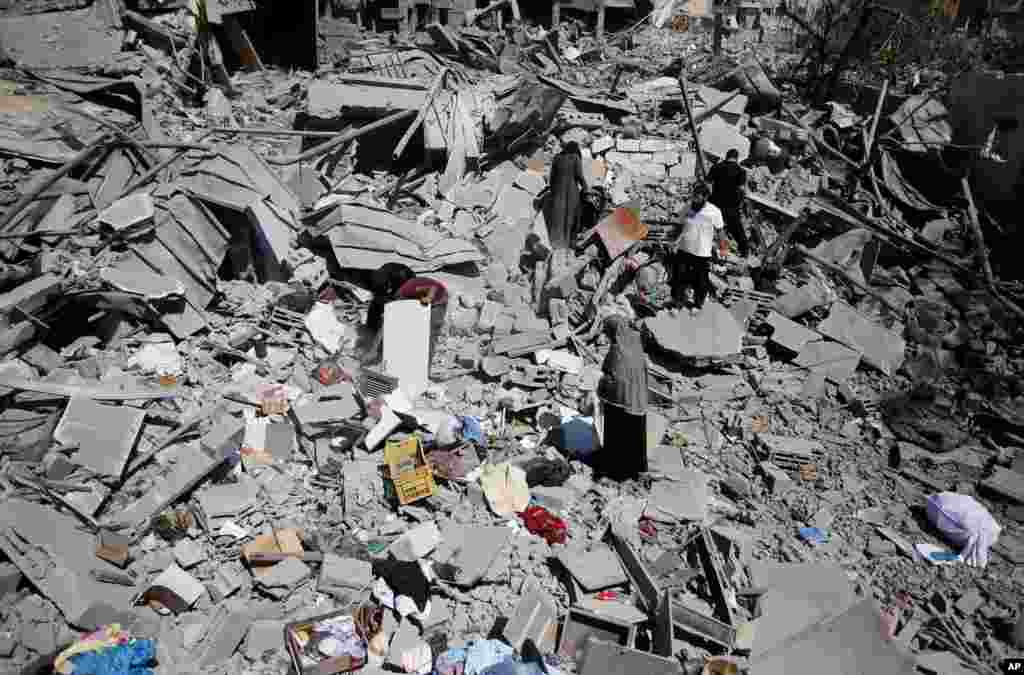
<point x="965" y="523"/>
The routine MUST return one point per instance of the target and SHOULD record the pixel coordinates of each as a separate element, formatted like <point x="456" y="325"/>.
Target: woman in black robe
<point x="623" y="394"/>
<point x="567" y="184"/>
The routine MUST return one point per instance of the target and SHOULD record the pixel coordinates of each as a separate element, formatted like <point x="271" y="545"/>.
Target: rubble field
<point x="205" y="469"/>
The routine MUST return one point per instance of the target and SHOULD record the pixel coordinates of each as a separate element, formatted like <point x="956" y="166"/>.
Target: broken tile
<point x="595" y="569"/>
<point x="175" y="589"/>
<point x="683" y="498"/>
<point x="189" y="553"/>
<point x="712" y="332"/>
<point x="105" y="434"/>
<point x="471" y="549"/>
<point x="535" y="618"/>
<point x="283" y="577"/>
<point x="604" y="658"/>
<point x="881" y="348"/>
<point x="789" y="334"/>
<point x="127" y="213"/>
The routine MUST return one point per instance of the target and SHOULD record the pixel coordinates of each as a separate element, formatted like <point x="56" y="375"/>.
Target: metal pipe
<point x="274" y="132"/>
<point x="341" y="139"/>
<point x="428" y="103"/>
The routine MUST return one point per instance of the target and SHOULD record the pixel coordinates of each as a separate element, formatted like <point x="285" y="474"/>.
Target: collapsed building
<point x="202" y="472"/>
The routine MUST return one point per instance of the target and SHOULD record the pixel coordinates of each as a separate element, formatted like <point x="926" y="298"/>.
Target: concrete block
<point x="531" y="182"/>
<point x="789" y="334"/>
<point x="504" y="324"/>
<point x="10" y="578"/>
<point x="605" y="658"/>
<point x="338" y="572"/>
<point x="881" y="348"/>
<point x="134" y="211"/>
<point x="417" y="542"/>
<point x="627" y="145"/>
<point x="666" y="158"/>
<point x="602" y="144"/>
<point x="489" y="314"/>
<point x="778" y="480"/>
<point x="535" y="618"/>
<point x="616" y="157"/>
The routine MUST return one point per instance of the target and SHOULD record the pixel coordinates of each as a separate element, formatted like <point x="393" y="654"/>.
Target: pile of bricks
<point x="652" y="157"/>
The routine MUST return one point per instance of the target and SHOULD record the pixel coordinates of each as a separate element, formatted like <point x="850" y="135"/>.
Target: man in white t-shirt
<point x="696" y="244"/>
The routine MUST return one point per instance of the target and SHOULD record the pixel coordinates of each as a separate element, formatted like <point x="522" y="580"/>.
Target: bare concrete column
<point x="556" y="14"/>
<point x="600" y="21"/>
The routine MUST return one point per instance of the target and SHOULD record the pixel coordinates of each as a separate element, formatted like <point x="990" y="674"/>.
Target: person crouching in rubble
<point x="394" y="281"/>
<point x="695" y="246"/>
<point x="623" y="395"/>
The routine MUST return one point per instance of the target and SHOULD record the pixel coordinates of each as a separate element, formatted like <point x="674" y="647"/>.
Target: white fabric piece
<point x="698" y="237"/>
<point x="965" y="523"/>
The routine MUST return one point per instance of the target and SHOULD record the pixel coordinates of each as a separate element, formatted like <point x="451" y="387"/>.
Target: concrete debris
<point x="711" y="332"/>
<point x="209" y="371"/>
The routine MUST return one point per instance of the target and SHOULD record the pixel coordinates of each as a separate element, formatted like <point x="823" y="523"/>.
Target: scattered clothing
<point x="404" y="578"/>
<point x="546" y="472"/>
<point x="482" y="654"/>
<point x="134" y="658"/>
<point x="965" y="523"/>
<point x="103" y="638"/>
<point x="543" y="523"/>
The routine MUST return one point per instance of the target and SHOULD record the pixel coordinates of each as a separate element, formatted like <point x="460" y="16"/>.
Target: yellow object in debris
<point x="409" y="473"/>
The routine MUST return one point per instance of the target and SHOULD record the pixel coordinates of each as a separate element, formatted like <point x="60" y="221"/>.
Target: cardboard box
<point x="409" y="476"/>
<point x="298" y="631"/>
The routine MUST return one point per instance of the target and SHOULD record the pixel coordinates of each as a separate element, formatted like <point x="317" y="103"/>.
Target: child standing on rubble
<point x="394" y="281"/>
<point x="623" y="395"/>
<point x="694" y="247"/>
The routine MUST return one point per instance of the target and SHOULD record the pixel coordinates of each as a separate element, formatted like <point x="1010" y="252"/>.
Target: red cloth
<point x="412" y="287"/>
<point x="543" y="523"/>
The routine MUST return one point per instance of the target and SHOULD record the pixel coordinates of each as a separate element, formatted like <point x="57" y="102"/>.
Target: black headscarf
<point x="572" y="148"/>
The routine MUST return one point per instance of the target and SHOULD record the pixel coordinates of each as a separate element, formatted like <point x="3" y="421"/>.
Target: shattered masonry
<point x="208" y="464"/>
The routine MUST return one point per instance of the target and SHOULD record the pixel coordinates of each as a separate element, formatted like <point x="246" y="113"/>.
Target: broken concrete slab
<point x="881" y="348"/>
<point x="797" y="597"/>
<point x="175" y="589"/>
<point x="789" y="334"/>
<point x="129" y="213"/>
<point x="665" y="461"/>
<point x="337" y="572"/>
<point x="225" y="633"/>
<point x="802" y="299"/>
<point x="683" y="498"/>
<point x="1005" y="483"/>
<point x="284" y="577"/>
<point x="535" y="618"/>
<point x="848" y="642"/>
<point x="717" y="137"/>
<point x="471" y="549"/>
<point x="230" y="499"/>
<point x="407" y="345"/>
<point x="711" y="332"/>
<point x="829" y="359"/>
<point x="264" y="636"/>
<point x="56" y="554"/>
<point x="150" y="286"/>
<point x="607" y="658"/>
<point x="594" y="569"/>
<point x="105" y="434"/>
